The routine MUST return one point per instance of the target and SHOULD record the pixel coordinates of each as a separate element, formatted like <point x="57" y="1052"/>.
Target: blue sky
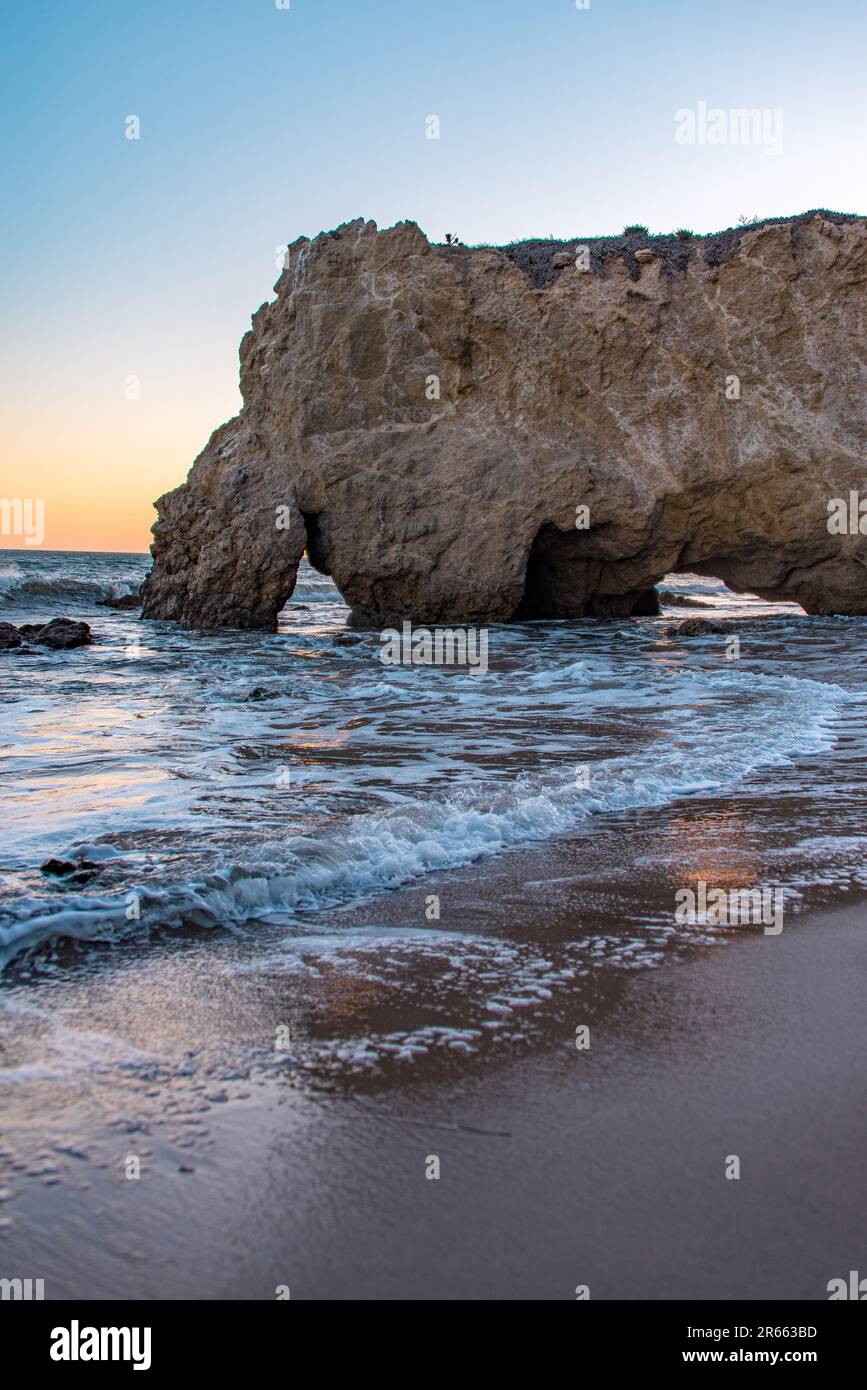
<point x="257" y="125"/>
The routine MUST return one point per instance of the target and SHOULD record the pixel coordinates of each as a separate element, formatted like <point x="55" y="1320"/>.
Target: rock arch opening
<point x="704" y="590"/>
<point x="312" y="570"/>
<point x="578" y="574"/>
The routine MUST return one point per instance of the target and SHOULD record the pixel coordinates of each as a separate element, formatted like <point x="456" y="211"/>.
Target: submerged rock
<point x="465" y="436"/>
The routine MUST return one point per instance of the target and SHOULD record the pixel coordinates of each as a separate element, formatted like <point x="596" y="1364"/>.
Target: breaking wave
<point x="750" y="722"/>
<point x="13" y="583"/>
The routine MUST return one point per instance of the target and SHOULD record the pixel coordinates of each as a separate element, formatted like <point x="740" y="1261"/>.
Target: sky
<point x="132" y="266"/>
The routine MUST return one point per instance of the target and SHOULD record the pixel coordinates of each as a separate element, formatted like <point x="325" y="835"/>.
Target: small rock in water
<point x="682" y="600"/>
<point x="347" y="639"/>
<point x="78" y="872"/>
<point x="60" y="634"/>
<point x="10" y="637"/>
<point x="123" y="601"/>
<point x="58" y="866"/>
<point x="700" y="627"/>
<point x="261" y="692"/>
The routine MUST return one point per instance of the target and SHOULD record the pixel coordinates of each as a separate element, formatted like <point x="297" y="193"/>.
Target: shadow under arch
<point x="568" y="577"/>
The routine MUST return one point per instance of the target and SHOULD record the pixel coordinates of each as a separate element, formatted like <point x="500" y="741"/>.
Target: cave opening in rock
<point x="570" y="574"/>
<point x="568" y="577"/>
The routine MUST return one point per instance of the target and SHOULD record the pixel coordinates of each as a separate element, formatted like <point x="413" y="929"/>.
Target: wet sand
<point x="603" y="1167"/>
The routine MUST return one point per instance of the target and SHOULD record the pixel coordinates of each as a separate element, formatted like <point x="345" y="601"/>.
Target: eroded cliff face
<point x="428" y="423"/>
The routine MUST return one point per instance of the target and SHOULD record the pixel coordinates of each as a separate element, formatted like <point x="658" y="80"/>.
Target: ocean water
<point x="256" y="800"/>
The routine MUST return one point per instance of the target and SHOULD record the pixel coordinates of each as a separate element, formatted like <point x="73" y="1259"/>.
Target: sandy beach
<point x="558" y="1167"/>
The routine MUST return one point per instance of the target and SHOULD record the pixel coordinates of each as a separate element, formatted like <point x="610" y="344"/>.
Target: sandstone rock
<point x="561" y="259"/>
<point x="829" y="229"/>
<point x="644" y="255"/>
<point x="429" y="426"/>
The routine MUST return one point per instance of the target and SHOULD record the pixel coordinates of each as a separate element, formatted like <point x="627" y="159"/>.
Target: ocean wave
<point x="10" y="577"/>
<point x="14" y="583"/>
<point x="751" y="722"/>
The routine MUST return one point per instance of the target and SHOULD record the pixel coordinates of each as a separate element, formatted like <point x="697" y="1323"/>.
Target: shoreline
<point x="558" y="1168"/>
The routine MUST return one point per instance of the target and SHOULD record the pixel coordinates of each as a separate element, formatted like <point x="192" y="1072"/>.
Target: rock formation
<point x="60" y="634"/>
<point x="431" y="422"/>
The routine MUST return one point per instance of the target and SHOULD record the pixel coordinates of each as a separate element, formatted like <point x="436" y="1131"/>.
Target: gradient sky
<point x="146" y="258"/>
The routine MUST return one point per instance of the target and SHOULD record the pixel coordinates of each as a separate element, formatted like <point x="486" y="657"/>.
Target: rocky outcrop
<point x="61" y="635"/>
<point x="463" y="435"/>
